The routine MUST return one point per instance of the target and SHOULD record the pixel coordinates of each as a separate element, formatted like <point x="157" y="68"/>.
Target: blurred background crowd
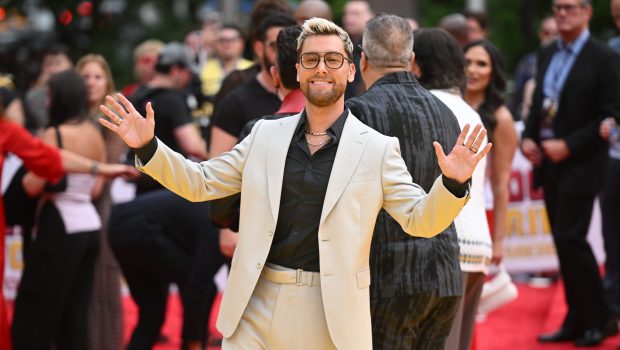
<point x="113" y="28"/>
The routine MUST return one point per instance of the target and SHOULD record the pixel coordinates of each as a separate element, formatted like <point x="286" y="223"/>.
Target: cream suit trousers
<point x="285" y="312"/>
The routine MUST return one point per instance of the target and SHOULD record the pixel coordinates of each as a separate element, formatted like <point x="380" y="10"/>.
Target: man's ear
<point x="412" y="59"/>
<point x="415" y="70"/>
<point x="363" y="62"/>
<point x="258" y="47"/>
<point x="351" y="76"/>
<point x="275" y="76"/>
<point x="297" y="70"/>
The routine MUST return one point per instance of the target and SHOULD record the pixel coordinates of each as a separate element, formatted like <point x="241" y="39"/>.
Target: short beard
<point x="323" y="99"/>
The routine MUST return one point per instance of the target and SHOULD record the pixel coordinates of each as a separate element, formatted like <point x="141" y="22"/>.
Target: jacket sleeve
<point x="532" y="124"/>
<point x="418" y="213"/>
<point x="607" y="104"/>
<point x="216" y="178"/>
<point x="42" y="159"/>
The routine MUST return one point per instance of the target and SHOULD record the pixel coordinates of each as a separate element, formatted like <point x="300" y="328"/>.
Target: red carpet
<point x="512" y="327"/>
<point x="172" y="326"/>
<point x="516" y="325"/>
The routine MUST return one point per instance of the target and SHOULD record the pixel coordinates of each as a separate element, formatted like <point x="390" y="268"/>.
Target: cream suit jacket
<point x="368" y="174"/>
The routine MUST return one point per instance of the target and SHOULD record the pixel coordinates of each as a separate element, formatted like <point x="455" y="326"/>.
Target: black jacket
<point x="591" y="93"/>
<point x="397" y="105"/>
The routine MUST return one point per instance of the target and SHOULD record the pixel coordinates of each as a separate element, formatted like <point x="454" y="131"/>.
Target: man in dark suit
<point x="416" y="284"/>
<point x="577" y="85"/>
<point x="160" y="238"/>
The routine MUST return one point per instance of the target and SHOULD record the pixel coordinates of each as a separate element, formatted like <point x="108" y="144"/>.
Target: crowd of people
<point x="354" y="180"/>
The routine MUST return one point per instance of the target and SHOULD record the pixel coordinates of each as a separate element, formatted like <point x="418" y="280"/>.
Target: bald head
<point x="456" y="25"/>
<point x="312" y="8"/>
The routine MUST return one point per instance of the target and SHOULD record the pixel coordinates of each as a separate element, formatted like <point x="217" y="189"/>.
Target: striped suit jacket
<point x="401" y="265"/>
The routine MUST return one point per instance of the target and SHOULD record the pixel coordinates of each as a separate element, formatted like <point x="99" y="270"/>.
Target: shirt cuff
<point x="459" y="190"/>
<point x="146" y="152"/>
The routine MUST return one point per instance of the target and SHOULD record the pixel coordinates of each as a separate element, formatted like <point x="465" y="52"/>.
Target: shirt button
<point x="309" y="166"/>
<point x="259" y="265"/>
<point x="271" y="232"/>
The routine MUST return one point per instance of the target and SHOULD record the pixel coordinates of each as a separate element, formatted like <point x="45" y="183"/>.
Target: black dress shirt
<point x="295" y="242"/>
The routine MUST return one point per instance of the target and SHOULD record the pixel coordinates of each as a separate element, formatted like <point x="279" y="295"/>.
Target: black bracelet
<point x="94" y="168"/>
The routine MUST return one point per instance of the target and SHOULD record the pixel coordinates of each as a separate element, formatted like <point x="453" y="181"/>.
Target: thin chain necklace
<point x="318" y="144"/>
<point x="316" y="133"/>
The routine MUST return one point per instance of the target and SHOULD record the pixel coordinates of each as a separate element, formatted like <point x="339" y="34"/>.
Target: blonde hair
<point x="319" y="26"/>
<point x="101" y="61"/>
<point x="147" y="47"/>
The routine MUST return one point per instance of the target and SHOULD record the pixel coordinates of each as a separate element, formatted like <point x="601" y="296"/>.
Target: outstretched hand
<point x="115" y="170"/>
<point x="459" y="165"/>
<point x="132" y="127"/>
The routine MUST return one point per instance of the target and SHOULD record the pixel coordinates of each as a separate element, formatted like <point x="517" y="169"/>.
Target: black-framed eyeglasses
<point x="565" y="7"/>
<point x="333" y="60"/>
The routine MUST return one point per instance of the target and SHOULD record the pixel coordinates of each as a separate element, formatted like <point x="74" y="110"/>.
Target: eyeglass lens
<point x="333" y="60"/>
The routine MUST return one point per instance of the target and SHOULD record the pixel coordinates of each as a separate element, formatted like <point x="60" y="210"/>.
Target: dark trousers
<point x="149" y="268"/>
<point x="610" y="209"/>
<point x="421" y="321"/>
<point x="151" y="259"/>
<point x="54" y="292"/>
<point x="569" y="216"/>
<point x="201" y="289"/>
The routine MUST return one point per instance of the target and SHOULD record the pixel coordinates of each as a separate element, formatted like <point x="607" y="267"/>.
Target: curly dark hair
<point x="494" y="93"/>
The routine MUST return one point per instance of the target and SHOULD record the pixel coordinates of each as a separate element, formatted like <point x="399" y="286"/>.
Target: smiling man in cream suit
<point x="311" y="188"/>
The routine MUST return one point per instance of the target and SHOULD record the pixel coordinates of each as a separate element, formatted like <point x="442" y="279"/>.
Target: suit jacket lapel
<point x="350" y="149"/>
<point x="277" y="150"/>
<point x="580" y="61"/>
<point x="546" y="60"/>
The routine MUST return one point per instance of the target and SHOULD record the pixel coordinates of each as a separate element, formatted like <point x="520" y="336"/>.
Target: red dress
<point x="43" y="160"/>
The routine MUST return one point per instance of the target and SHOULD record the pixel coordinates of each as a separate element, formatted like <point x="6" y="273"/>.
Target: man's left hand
<point x="228" y="242"/>
<point x="555" y="149"/>
<point x="459" y="165"/>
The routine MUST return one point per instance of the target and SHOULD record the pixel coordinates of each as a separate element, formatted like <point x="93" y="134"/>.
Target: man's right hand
<point x="133" y="128"/>
<point x="531" y="151"/>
